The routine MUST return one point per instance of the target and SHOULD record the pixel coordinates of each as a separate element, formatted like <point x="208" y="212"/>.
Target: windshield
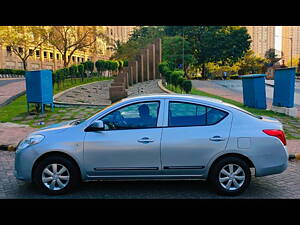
<point x="244" y="111"/>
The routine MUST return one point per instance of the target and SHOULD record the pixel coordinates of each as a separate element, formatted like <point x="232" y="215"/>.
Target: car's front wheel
<point x="230" y="176"/>
<point x="56" y="175"/>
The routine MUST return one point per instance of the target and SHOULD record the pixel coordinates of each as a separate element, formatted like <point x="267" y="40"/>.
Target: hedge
<point x="12" y="71"/>
<point x="175" y="77"/>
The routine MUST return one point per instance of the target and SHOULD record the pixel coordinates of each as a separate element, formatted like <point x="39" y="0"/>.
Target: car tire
<point x="230" y="176"/>
<point x="65" y="179"/>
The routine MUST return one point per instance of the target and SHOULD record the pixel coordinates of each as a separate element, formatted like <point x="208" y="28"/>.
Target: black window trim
<point x="133" y="103"/>
<point x="186" y="102"/>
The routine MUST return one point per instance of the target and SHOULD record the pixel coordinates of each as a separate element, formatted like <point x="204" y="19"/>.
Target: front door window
<point x="135" y="116"/>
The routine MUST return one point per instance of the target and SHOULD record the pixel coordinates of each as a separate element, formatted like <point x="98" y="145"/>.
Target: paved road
<point x="5" y="81"/>
<point x="236" y="85"/>
<point x="285" y="185"/>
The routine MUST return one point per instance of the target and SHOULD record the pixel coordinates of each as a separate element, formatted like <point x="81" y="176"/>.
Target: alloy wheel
<point x="232" y="177"/>
<point x="55" y="177"/>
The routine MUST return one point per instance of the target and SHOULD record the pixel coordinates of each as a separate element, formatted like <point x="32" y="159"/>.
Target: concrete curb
<point x="295" y="156"/>
<point x="160" y="85"/>
<point x="12" y="98"/>
<point x="10" y="148"/>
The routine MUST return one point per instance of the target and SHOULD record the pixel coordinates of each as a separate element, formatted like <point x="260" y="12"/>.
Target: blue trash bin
<point x="254" y="91"/>
<point x="284" y="87"/>
<point x="39" y="88"/>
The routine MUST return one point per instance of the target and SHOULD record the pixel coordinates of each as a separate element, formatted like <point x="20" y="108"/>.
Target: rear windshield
<point x="244" y="111"/>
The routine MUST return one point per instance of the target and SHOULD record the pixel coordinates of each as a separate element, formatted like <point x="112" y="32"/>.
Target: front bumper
<point x="24" y="160"/>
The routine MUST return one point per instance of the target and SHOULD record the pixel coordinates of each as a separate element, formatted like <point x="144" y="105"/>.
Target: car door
<point x="130" y="143"/>
<point x="193" y="134"/>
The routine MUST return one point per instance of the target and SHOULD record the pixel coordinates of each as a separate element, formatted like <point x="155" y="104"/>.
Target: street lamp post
<point x="290" y="38"/>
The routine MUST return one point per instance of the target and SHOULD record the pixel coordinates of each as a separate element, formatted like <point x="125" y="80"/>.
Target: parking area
<point x="285" y="185"/>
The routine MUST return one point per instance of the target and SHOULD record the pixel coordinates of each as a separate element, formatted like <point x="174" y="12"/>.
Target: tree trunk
<point x="203" y="72"/>
<point x="24" y="65"/>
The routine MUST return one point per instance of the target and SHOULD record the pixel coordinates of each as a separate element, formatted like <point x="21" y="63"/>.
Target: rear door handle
<point x="217" y="138"/>
<point x="145" y="140"/>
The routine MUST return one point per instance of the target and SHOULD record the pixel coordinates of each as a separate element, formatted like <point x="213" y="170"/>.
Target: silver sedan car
<point x="155" y="137"/>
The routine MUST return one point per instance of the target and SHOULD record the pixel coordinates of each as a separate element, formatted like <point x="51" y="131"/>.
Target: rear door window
<point x="188" y="114"/>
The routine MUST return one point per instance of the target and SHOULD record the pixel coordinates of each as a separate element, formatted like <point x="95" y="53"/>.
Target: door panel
<point x="119" y="152"/>
<point x="129" y="144"/>
<point x="186" y="150"/>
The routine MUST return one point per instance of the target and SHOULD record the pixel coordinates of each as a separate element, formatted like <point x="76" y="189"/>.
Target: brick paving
<point x="96" y="93"/>
<point x="284" y="185"/>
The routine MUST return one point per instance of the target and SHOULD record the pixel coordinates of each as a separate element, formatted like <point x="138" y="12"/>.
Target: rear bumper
<point x="272" y="166"/>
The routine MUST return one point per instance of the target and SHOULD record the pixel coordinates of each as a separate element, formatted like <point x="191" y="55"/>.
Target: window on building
<point x="73" y="58"/>
<point x="57" y="56"/>
<point x="82" y="59"/>
<point x="51" y="55"/>
<point x="31" y="52"/>
<point x="20" y="50"/>
<point x="45" y="54"/>
<point x="37" y="53"/>
<point x="8" y="50"/>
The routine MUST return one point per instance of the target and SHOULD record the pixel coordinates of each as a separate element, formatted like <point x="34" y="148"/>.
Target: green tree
<point x="23" y="41"/>
<point x="140" y="38"/>
<point x="251" y="64"/>
<point x="271" y="56"/>
<point x="177" y="50"/>
<point x="225" y="44"/>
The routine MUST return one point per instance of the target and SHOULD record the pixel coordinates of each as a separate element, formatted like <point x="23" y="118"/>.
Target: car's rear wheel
<point x="56" y="175"/>
<point x="230" y="176"/>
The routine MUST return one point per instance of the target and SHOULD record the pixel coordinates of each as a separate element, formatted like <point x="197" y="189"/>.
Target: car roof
<point x="174" y="97"/>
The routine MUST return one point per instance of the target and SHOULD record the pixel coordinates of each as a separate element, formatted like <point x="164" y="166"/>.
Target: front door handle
<point x="145" y="140"/>
<point x="217" y="138"/>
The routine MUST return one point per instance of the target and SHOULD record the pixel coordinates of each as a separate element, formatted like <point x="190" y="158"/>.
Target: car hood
<point x="56" y="128"/>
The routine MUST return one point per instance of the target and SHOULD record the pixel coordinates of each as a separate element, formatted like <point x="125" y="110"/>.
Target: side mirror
<point x="95" y="126"/>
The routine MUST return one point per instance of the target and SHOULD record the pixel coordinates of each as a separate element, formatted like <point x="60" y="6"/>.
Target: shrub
<point x="175" y="77"/>
<point x="168" y="75"/>
<point x="125" y="63"/>
<point x="12" y="71"/>
<point x="80" y="69"/>
<point x="121" y="64"/>
<point x="187" y="86"/>
<point x="88" y="66"/>
<point x="73" y="70"/>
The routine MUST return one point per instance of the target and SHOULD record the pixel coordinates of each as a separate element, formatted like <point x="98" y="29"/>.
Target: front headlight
<point x="30" y="140"/>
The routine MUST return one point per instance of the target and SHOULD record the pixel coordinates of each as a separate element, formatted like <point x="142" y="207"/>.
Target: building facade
<point x="117" y="33"/>
<point x="263" y="38"/>
<point x="291" y="43"/>
<point x="48" y="57"/>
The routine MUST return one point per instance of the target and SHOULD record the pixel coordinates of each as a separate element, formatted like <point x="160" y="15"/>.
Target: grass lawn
<point x="289" y="123"/>
<point x="18" y="108"/>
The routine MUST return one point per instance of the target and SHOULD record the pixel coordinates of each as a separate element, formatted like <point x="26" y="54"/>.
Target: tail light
<point x="276" y="133"/>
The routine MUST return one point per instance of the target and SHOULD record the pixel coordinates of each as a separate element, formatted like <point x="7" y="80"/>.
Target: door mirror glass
<point x="96" y="126"/>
